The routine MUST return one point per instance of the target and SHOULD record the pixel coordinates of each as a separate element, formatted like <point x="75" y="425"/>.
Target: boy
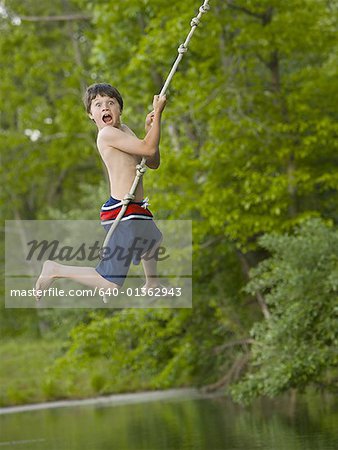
<point x="120" y="151"/>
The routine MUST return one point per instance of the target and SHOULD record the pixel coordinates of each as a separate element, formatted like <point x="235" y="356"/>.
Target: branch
<point x="245" y="10"/>
<point x="244" y="263"/>
<point x="263" y="305"/>
<point x="259" y="296"/>
<point x="61" y="18"/>
<point x="174" y="138"/>
<point x="220" y="348"/>
<point x="232" y="374"/>
<point x="211" y="241"/>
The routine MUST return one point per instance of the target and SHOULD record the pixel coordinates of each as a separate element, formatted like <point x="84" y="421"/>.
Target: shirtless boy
<point x="120" y="151"/>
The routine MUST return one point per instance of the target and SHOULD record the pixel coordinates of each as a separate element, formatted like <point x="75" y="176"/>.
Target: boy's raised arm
<point x="152" y="162"/>
<point x="148" y="147"/>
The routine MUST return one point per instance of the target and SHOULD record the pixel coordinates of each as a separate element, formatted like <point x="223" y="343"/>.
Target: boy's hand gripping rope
<point x="141" y="168"/>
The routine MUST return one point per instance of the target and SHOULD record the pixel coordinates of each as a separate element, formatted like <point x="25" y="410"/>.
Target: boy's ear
<point x="90" y="116"/>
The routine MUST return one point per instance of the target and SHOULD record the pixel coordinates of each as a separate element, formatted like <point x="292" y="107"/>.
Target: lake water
<point x="183" y="422"/>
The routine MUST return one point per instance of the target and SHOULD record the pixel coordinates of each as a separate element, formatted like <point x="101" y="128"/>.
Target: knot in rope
<point x="204" y="8"/>
<point x="182" y="48"/>
<point x="127" y="198"/>
<point x="195" y="22"/>
<point x="140" y="169"/>
<point x="145" y="203"/>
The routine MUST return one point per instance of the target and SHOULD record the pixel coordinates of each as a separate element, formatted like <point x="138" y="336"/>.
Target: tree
<point x="297" y="346"/>
<point x="44" y="136"/>
<point x="46" y="143"/>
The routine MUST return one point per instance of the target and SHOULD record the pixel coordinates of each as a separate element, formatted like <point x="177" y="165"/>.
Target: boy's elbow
<point x="149" y="152"/>
<point x="152" y="152"/>
<point x="153" y="162"/>
<point x="154" y="165"/>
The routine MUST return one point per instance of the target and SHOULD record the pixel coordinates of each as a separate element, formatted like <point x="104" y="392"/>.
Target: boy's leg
<point x="149" y="262"/>
<point x="88" y="276"/>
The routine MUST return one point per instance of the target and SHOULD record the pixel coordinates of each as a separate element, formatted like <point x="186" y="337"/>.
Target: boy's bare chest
<point x="116" y="160"/>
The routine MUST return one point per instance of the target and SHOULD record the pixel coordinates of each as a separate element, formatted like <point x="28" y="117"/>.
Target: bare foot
<point x="46" y="278"/>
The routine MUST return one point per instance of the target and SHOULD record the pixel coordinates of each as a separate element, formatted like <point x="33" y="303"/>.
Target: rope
<point x="184" y="47"/>
<point x="141" y="168"/>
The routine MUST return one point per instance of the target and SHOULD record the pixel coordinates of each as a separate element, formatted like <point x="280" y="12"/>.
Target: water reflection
<point x="185" y="424"/>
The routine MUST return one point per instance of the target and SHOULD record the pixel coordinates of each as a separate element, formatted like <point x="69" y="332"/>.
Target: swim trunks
<point x="135" y="210"/>
<point x="134" y="236"/>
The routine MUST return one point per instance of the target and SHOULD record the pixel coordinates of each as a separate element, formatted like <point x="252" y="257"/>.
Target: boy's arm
<point x="154" y="161"/>
<point x="113" y="137"/>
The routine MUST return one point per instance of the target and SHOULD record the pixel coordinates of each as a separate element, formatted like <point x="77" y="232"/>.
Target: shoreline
<point x="111" y="400"/>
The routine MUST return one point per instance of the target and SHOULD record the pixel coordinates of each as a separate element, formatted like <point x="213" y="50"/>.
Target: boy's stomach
<point x="120" y="191"/>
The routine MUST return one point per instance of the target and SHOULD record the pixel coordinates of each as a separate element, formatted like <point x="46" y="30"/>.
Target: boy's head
<point x="102" y="89"/>
<point x="104" y="104"/>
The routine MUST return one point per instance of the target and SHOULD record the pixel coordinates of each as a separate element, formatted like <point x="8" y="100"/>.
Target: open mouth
<point x="107" y="118"/>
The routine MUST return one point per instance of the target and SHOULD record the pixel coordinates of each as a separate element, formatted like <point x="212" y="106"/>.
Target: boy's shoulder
<point x="106" y="133"/>
<point x="110" y="130"/>
<point x="105" y="137"/>
<point x="127" y="130"/>
<point x="107" y="130"/>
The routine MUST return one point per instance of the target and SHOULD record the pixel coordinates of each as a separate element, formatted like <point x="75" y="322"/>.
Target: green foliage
<point x="248" y="148"/>
<point x="297" y="345"/>
<point x="46" y="150"/>
<point x="147" y="348"/>
<point x="25" y="361"/>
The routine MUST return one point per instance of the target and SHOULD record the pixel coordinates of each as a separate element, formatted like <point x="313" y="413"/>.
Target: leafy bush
<point x="298" y="344"/>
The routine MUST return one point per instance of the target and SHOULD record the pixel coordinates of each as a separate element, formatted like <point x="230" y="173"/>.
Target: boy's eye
<point x="97" y="104"/>
<point x="111" y="102"/>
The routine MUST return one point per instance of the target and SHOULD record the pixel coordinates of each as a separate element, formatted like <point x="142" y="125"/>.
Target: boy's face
<point x="105" y="111"/>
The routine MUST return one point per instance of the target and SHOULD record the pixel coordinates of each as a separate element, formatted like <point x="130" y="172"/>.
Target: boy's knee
<point x="152" y="252"/>
<point x="106" y="284"/>
<point x="114" y="286"/>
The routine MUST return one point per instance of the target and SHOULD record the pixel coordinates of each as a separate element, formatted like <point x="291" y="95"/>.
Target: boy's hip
<point x="135" y="211"/>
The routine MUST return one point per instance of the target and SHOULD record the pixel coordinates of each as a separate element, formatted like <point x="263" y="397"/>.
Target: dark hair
<point x="101" y="89"/>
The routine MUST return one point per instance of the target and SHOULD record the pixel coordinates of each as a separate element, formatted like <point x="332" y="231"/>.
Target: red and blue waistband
<point x="134" y="211"/>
